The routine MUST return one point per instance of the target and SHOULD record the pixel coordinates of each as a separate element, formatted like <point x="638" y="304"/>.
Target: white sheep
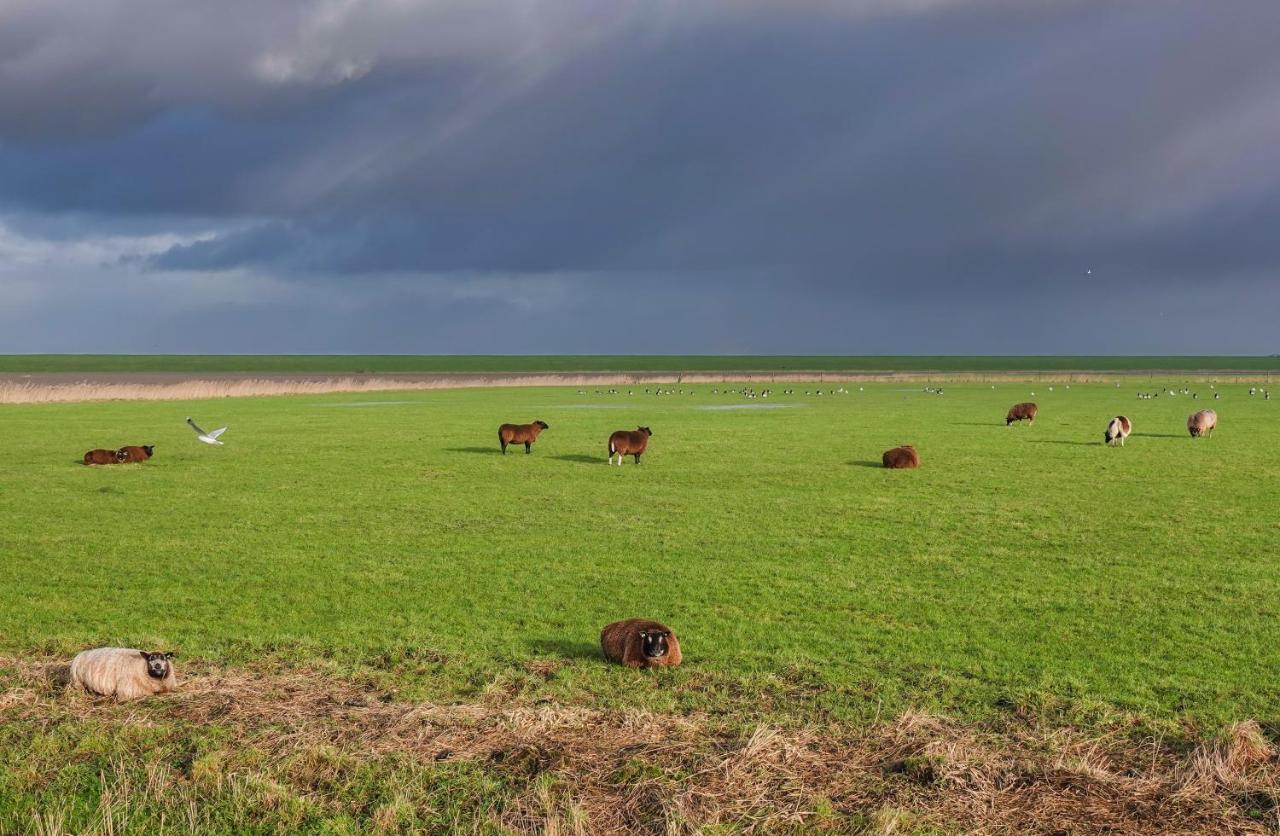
<point x="1118" y="429"/>
<point x="123" y="673"/>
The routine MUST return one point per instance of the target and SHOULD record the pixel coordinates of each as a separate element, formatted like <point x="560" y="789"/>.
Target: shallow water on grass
<point x="371" y="403"/>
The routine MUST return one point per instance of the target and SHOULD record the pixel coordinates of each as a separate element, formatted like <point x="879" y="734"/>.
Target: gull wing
<point x="219" y="431"/>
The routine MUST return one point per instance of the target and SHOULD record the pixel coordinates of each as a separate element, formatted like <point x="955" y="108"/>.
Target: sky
<point x="667" y="176"/>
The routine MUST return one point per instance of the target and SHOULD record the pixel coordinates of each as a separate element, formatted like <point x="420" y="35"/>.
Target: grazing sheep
<point x="1202" y="423"/>
<point x="1118" y="429"/>
<point x="136" y="454"/>
<point x="639" y="643"/>
<point x="629" y="443"/>
<point x="524" y="434"/>
<point x="901" y="458"/>
<point x="123" y="673"/>
<point x="1021" y="412"/>
<point x="102" y="457"/>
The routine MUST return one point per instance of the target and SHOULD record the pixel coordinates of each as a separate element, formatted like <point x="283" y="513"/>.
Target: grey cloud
<point x="769" y="166"/>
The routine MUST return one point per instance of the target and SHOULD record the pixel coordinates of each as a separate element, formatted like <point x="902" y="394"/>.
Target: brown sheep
<point x="1021" y="412"/>
<point x="639" y="643"/>
<point x="524" y="434"/>
<point x="629" y="443"/>
<point x="136" y="454"/>
<point x="901" y="458"/>
<point x="1118" y="429"/>
<point x="1202" y="423"/>
<point x="102" y="457"/>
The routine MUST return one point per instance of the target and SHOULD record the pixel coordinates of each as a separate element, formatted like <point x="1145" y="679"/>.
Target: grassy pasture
<point x="1029" y="557"/>
<point x="384" y="539"/>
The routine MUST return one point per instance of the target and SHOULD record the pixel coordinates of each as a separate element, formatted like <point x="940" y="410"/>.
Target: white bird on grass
<point x="207" y="437"/>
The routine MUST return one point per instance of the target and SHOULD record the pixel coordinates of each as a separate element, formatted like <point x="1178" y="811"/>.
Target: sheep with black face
<point x="1021" y="412"/>
<point x="524" y="434"/>
<point x="103" y="457"/>
<point x="123" y="672"/>
<point x="629" y="443"/>
<point x="1118" y="429"/>
<point x="136" y="453"/>
<point x="640" y="643"/>
<point x="1202" y="423"/>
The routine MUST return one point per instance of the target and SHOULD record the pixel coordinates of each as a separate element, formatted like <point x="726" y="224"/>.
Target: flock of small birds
<point x="1195" y="396"/>
<point x="750" y="393"/>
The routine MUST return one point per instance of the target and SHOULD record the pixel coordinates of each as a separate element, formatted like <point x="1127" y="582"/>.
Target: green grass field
<point x="351" y="364"/>
<point x="385" y="538"/>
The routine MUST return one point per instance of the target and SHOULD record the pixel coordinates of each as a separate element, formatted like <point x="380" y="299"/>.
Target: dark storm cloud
<point x="384" y="170"/>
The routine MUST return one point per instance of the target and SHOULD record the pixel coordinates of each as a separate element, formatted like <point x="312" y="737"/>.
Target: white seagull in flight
<point x="207" y="438"/>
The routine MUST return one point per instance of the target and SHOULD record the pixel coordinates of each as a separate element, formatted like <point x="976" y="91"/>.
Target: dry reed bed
<point x="633" y="771"/>
<point x="137" y="387"/>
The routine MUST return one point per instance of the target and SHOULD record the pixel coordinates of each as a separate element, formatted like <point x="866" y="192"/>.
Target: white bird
<point x="207" y="437"/>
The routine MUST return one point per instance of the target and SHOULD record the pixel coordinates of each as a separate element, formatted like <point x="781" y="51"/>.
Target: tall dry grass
<point x="190" y="390"/>
<point x="572" y="769"/>
<point x="137" y="387"/>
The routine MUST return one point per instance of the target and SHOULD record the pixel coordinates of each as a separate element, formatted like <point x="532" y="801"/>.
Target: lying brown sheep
<point x="102" y="457"/>
<point x="1118" y="429"/>
<point x="629" y="443"/>
<point x="524" y="434"/>
<point x="639" y="643"/>
<point x="1021" y="412"/>
<point x="136" y="454"/>
<point x="901" y="458"/>
<point x="123" y="673"/>
<point x="1202" y="423"/>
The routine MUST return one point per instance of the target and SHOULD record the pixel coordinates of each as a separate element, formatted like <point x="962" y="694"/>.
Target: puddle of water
<point x="369" y="403"/>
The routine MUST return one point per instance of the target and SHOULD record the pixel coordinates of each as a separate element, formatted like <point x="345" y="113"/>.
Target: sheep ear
<point x="170" y="655"/>
<point x="144" y="655"/>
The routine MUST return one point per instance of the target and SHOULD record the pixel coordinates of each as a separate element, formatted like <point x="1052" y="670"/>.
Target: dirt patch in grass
<point x="573" y="769"/>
